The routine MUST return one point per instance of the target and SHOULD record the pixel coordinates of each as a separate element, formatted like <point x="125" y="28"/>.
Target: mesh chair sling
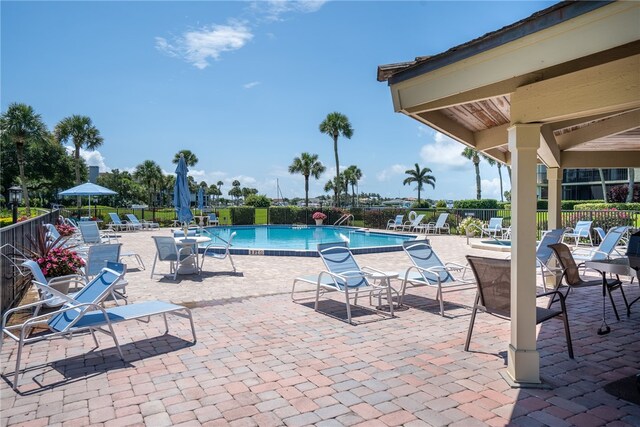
<point x="572" y="277"/>
<point x="493" y="278"/>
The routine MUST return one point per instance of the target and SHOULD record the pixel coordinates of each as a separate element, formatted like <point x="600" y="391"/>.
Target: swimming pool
<point x="283" y="240"/>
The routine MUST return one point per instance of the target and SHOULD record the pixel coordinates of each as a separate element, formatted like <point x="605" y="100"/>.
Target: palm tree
<point x="219" y="184"/>
<point x="190" y="158"/>
<point x="83" y="133"/>
<point x="236" y="191"/>
<point x="352" y="175"/>
<point x="332" y="184"/>
<point x="307" y="165"/>
<point x="334" y="125"/>
<point x="149" y="174"/>
<point x="493" y="162"/>
<point x="472" y="154"/>
<point x="421" y="177"/>
<point x="21" y="125"/>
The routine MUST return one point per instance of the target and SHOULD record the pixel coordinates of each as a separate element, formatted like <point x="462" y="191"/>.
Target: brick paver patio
<point x="264" y="360"/>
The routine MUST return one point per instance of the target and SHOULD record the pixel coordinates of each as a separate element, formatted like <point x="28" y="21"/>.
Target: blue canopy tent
<point x="87" y="189"/>
<point x="181" y="194"/>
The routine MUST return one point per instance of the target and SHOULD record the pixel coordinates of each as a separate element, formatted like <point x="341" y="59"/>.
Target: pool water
<point x="303" y="240"/>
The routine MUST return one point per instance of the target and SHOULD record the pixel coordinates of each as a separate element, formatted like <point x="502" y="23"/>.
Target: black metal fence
<point x="14" y="285"/>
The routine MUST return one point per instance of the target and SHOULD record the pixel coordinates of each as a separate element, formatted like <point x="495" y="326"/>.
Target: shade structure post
<point x="554" y="215"/>
<point x="523" y="360"/>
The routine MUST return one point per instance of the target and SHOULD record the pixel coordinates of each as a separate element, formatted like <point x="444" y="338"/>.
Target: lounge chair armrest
<point x="555" y="293"/>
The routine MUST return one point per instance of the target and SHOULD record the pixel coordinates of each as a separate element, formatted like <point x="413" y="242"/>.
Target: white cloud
<point x="274" y="9"/>
<point x="444" y="151"/>
<point x="245" y="181"/>
<point x="93" y="158"/>
<point x="391" y="171"/>
<point x="198" y="46"/>
<point x="490" y="188"/>
<point x="250" y="85"/>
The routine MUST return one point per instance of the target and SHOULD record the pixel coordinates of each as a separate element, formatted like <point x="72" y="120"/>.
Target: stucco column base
<point x="524" y="373"/>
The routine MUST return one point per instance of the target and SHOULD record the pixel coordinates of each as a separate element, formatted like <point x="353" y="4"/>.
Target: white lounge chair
<point x="118" y="225"/>
<point x="604" y="250"/>
<point x="415" y="224"/>
<point x="142" y="224"/>
<point x="219" y="250"/>
<point x="429" y="270"/>
<point x="92" y="235"/>
<point x="493" y="228"/>
<point x="83" y="313"/>
<point x="394" y="224"/>
<point x="582" y="230"/>
<point x="348" y="278"/>
<point x="439" y="225"/>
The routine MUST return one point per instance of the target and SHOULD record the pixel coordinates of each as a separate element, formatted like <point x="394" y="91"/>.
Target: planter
<point x="60" y="285"/>
<point x="319" y="221"/>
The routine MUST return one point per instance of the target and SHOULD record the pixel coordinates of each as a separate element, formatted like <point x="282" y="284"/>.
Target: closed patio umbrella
<point x="181" y="194"/>
<point x="88" y="189"/>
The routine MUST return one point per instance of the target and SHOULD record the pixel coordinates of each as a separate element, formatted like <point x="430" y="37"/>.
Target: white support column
<point x="554" y="217"/>
<point x="524" y="360"/>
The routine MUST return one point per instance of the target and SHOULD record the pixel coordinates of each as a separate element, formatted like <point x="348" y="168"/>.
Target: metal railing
<point x="13" y="285"/>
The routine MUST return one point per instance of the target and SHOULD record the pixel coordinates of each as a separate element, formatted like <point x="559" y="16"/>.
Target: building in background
<point x="585" y="184"/>
<point x="94" y="171"/>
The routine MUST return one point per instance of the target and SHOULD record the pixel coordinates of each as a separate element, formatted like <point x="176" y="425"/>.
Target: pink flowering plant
<point x="65" y="230"/>
<point x="60" y="262"/>
<point x="318" y="215"/>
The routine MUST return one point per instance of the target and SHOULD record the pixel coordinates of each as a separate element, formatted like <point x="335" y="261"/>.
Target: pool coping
<point x="310" y="252"/>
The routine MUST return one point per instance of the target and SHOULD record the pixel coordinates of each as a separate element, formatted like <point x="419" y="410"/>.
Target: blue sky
<point x="244" y="85"/>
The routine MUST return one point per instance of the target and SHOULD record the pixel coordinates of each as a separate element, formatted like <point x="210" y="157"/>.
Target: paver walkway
<point x="263" y="360"/>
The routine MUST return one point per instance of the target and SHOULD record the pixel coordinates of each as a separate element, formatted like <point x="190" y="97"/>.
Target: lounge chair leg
<point x="439" y="297"/>
<point x="166" y="324"/>
<point x="19" y="356"/>
<point x="389" y="298"/>
<point x="471" y="322"/>
<point x="317" y="296"/>
<point x="154" y="265"/>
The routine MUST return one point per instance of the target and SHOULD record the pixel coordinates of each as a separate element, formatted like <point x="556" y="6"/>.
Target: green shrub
<point x="258" y="201"/>
<point x="242" y="215"/>
<point x="441" y="204"/>
<point x="424" y="204"/>
<point x="599" y="206"/>
<point x="474" y="225"/>
<point x="476" y="204"/>
<point x="283" y="214"/>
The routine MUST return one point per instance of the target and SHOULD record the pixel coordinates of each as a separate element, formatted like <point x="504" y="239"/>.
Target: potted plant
<point x="319" y="217"/>
<point x="55" y="260"/>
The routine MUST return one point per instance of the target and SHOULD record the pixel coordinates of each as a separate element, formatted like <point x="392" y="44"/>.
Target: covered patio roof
<point x="562" y="88"/>
<point x="572" y="67"/>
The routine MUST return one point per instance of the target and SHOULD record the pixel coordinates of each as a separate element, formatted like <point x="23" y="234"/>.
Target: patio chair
<point x="118" y="225"/>
<point x="213" y="219"/>
<point x="394" y="224"/>
<point x="219" y="251"/>
<point x="572" y="277"/>
<point x="429" y="270"/>
<point x="98" y="258"/>
<point x="604" y="250"/>
<point x="84" y="313"/>
<point x="414" y="225"/>
<point x="92" y="235"/>
<point x="167" y="250"/>
<point x="347" y="277"/>
<point x="54" y="236"/>
<point x="493" y="228"/>
<point x="582" y="230"/>
<point x="493" y="278"/>
<point x="141" y="224"/>
<point x="439" y="225"/>
<point x="544" y="254"/>
<point x="61" y="284"/>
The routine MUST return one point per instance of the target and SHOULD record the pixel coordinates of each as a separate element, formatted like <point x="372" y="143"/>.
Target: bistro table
<point x="190" y="243"/>
<point x="619" y="267"/>
<point x="385" y="284"/>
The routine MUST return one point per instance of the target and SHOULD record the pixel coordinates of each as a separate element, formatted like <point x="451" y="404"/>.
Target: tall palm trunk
<point x="23" y="181"/>
<point x="603" y="185"/>
<point x="306" y="191"/>
<point x="509" y="170"/>
<point x="632" y="178"/>
<point x="77" y="156"/>
<point x="336" y="188"/>
<point x="500" y="177"/>
<point x="476" y="164"/>
<point x="353" y="195"/>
